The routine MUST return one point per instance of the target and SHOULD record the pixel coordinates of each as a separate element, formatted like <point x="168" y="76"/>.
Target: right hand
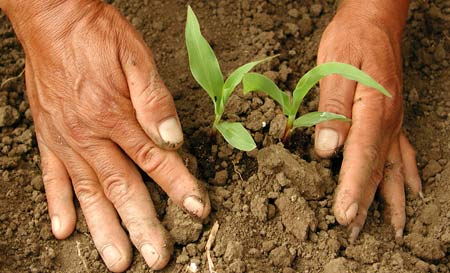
<point x="377" y="154"/>
<point x="99" y="105"/>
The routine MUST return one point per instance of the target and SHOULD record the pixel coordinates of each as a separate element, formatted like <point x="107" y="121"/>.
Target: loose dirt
<point x="273" y="204"/>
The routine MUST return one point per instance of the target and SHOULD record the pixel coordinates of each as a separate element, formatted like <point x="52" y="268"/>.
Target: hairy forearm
<point x="387" y="14"/>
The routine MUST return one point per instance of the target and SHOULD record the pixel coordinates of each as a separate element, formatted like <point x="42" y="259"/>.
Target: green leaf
<point x="235" y="134"/>
<point x="314" y="118"/>
<point x="258" y="82"/>
<point x="236" y="77"/>
<point x="202" y="60"/>
<point x="347" y="71"/>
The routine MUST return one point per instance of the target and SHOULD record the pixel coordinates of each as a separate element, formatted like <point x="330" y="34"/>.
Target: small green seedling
<point x="206" y="71"/>
<point x="290" y="105"/>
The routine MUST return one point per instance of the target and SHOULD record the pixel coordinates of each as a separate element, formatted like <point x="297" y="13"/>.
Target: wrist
<point x="30" y="18"/>
<point x="13" y="8"/>
<point x="388" y="15"/>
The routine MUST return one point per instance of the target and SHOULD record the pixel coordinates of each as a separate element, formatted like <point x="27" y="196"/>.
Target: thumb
<point x="336" y="95"/>
<point x="155" y="109"/>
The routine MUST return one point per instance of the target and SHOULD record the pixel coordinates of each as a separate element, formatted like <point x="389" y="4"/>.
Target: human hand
<point x="377" y="154"/>
<point x="99" y="104"/>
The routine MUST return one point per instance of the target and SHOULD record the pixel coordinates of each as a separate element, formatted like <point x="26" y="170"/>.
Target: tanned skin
<point x="99" y="105"/>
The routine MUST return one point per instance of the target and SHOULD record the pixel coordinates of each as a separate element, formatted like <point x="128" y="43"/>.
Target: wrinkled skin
<point x="99" y="105"/>
<point x="377" y="154"/>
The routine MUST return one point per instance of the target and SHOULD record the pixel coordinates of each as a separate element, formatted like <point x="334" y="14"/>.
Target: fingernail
<point x="111" y="255"/>
<point x="354" y="234"/>
<point x="56" y="224"/>
<point x="421" y="195"/>
<point x="328" y="140"/>
<point x="170" y="131"/>
<point x="194" y="205"/>
<point x="150" y="255"/>
<point x="399" y="236"/>
<point x="351" y="212"/>
<point x="399" y="233"/>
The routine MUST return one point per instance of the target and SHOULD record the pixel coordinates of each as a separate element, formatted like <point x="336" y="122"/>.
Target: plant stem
<point x="213" y="132"/>
<point x="216" y="120"/>
<point x="214" y="128"/>
<point x="218" y="112"/>
<point x="288" y="129"/>
<point x="286" y="135"/>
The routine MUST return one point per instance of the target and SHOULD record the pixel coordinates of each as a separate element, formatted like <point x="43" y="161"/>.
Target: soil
<point x="273" y="204"/>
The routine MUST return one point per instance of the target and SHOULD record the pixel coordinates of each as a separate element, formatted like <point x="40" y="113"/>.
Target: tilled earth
<point x="273" y="204"/>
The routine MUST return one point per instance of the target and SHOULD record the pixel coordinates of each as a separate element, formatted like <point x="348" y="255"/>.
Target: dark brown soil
<point x="273" y="204"/>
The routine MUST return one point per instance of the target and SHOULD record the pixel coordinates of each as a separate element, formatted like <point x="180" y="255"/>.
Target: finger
<point x="101" y="217"/>
<point x="165" y="167"/>
<point x="412" y="177"/>
<point x="392" y="189"/>
<point x="124" y="187"/>
<point x="357" y="224"/>
<point x="364" y="156"/>
<point x="155" y="109"/>
<point x="58" y="190"/>
<point x="57" y="184"/>
<point x="336" y="96"/>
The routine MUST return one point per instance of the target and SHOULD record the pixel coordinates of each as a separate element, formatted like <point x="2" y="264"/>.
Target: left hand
<point x="99" y="106"/>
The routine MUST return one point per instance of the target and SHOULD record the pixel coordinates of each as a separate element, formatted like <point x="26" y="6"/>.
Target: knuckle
<point x="117" y="190"/>
<point x="87" y="191"/>
<point x="83" y="121"/>
<point x="145" y="154"/>
<point x="393" y="173"/>
<point x="49" y="180"/>
<point x="129" y="55"/>
<point x="335" y="105"/>
<point x="155" y="93"/>
<point x="135" y="224"/>
<point x="151" y="157"/>
<point x="74" y="125"/>
<point x="392" y="120"/>
<point x="337" y="44"/>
